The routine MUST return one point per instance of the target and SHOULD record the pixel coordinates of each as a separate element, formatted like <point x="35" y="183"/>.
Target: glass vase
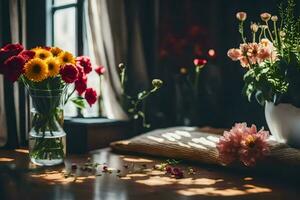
<point x="47" y="139"/>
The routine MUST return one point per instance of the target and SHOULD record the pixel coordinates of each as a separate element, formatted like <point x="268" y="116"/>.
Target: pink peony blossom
<point x="230" y="143"/>
<point x="243" y="143"/>
<point x="234" y="54"/>
<point x="254" y="53"/>
<point x="267" y="51"/>
<point x="254" y="146"/>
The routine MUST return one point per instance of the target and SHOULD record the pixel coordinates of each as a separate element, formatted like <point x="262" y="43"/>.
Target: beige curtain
<point x="108" y="43"/>
<point x="16" y="37"/>
<point x="3" y="130"/>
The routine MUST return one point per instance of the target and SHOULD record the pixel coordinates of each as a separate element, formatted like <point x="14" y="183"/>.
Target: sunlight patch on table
<point x="156" y="139"/>
<point x="6" y="159"/>
<point x="199" y="146"/>
<point x="25" y="151"/>
<point x="213" y="191"/>
<point x="137" y="160"/>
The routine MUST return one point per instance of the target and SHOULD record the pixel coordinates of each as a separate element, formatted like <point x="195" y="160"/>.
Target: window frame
<point x="52" y="8"/>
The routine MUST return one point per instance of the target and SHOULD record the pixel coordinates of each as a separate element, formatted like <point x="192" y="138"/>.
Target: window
<point x="65" y="29"/>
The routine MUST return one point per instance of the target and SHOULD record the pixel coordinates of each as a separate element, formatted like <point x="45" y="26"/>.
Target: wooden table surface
<point x="137" y="180"/>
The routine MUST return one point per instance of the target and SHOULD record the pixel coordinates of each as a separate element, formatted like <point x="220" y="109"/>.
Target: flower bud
<point x="254" y="27"/>
<point x="157" y="83"/>
<point x="199" y="62"/>
<point x="265" y="16"/>
<point x="242" y="16"/>
<point x="121" y="66"/>
<point x="274" y="18"/>
<point x="282" y="33"/>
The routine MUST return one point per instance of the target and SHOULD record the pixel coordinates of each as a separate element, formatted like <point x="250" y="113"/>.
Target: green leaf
<point x="79" y="102"/>
<point x="142" y="94"/>
<point x="130" y="110"/>
<point x="260" y="98"/>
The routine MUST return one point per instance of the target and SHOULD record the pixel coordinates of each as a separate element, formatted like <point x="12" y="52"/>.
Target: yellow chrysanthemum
<point x="66" y="57"/>
<point x="36" y="48"/>
<point x="42" y="53"/>
<point x="53" y="66"/>
<point x="55" y="51"/>
<point x="36" y="70"/>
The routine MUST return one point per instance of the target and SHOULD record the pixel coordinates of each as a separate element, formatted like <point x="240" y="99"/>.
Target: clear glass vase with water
<point x="47" y="139"/>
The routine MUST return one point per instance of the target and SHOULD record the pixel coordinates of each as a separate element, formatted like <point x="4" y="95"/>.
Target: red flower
<point x="7" y="52"/>
<point x="100" y="70"/>
<point x="81" y="84"/>
<point x="90" y="96"/>
<point x="13" y="67"/>
<point x="199" y="62"/>
<point x="169" y="169"/>
<point x="27" y="55"/>
<point x="85" y="63"/>
<point x="69" y="73"/>
<point x="177" y="172"/>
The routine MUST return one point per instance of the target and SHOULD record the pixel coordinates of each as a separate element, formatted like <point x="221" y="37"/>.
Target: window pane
<point x="63" y="2"/>
<point x="93" y="82"/>
<point x="65" y="29"/>
<point x="65" y="38"/>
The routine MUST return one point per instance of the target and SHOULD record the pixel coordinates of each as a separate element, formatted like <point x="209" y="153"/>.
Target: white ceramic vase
<point x="284" y="123"/>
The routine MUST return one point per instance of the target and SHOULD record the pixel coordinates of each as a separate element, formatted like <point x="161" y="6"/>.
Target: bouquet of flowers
<point x="271" y="57"/>
<point x="47" y="73"/>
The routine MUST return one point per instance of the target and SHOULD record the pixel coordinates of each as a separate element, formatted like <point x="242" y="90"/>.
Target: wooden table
<point x="136" y="180"/>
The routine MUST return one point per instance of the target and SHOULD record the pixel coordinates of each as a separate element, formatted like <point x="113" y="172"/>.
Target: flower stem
<point x="196" y="84"/>
<point x="260" y="35"/>
<point x="241" y="30"/>
<point x="270" y="34"/>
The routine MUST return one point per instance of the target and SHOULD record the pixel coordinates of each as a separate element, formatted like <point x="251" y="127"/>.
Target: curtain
<point x="115" y="35"/>
<point x="13" y="101"/>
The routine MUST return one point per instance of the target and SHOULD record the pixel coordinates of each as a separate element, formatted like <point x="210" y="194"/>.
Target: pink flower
<point x="100" y="70"/>
<point x="244" y="62"/>
<point x="265" y="16"/>
<point x="242" y="16"/>
<point x="254" y="147"/>
<point x="243" y="143"/>
<point x="252" y="52"/>
<point x="267" y="51"/>
<point x="264" y="54"/>
<point x="199" y="62"/>
<point x="230" y="143"/>
<point x="234" y="54"/>
<point x="85" y="63"/>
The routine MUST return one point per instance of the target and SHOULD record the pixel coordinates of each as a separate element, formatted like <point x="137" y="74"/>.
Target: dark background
<point x="171" y="31"/>
<point x="215" y="25"/>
